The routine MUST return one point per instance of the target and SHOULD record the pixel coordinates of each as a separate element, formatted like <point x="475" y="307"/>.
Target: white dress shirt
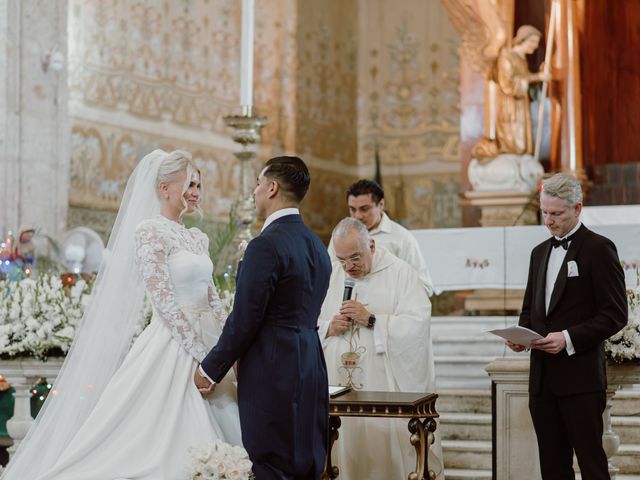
<point x="555" y="262"/>
<point x="279" y="214"/>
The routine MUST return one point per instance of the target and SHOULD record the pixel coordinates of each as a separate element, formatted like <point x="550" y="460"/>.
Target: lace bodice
<point x="175" y="267"/>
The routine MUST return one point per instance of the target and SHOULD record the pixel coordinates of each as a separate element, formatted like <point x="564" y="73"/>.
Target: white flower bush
<point x="218" y="461"/>
<point x="39" y="317"/>
<point x="625" y="345"/>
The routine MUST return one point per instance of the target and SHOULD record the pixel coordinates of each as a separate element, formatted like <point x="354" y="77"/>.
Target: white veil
<point x="104" y="336"/>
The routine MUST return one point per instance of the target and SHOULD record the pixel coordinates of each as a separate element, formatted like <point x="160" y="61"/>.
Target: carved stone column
<point x="34" y="129"/>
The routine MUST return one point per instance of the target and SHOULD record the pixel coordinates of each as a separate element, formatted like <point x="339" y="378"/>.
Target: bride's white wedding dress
<point x="151" y="412"/>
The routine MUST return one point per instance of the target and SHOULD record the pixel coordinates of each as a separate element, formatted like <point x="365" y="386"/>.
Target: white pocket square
<point x="572" y="269"/>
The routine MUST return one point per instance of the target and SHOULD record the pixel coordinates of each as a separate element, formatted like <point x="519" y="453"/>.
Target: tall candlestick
<point x="492" y="110"/>
<point x="246" y="57"/>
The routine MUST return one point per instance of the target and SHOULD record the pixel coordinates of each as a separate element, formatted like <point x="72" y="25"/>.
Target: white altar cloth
<point x="611" y="215"/>
<point x="498" y="257"/>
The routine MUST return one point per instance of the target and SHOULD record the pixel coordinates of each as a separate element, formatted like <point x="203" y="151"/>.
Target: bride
<point x="123" y="410"/>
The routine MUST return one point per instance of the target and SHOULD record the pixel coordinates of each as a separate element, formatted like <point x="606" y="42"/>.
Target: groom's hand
<point x="205" y="387"/>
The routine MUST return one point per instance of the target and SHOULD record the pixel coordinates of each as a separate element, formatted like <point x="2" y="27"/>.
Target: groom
<point x="272" y="333"/>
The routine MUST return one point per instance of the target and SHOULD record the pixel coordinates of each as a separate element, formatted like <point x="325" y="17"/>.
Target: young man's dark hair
<point x="365" y="187"/>
<point x="291" y="174"/>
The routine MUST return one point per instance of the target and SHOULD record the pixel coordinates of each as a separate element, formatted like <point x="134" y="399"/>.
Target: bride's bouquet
<point x="218" y="461"/>
<point x="625" y="345"/>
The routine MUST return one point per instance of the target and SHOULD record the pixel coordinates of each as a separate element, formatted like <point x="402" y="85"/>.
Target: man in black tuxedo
<point x="575" y="298"/>
<point x="283" y="396"/>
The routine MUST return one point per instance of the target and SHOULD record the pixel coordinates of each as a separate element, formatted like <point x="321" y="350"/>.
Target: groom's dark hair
<point x="291" y="174"/>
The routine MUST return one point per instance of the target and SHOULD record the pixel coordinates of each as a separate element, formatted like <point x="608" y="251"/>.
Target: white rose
<point x="67" y="332"/>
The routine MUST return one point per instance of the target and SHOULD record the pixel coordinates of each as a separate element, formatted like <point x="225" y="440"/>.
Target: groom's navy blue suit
<point x="282" y="376"/>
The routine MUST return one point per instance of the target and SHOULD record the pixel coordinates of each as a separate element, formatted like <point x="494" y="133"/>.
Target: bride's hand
<point x="205" y="387"/>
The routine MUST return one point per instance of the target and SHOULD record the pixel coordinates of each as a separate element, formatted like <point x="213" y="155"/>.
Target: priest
<point x="378" y="340"/>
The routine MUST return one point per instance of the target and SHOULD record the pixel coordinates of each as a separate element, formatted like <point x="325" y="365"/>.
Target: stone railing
<point x="22" y="374"/>
<point x="515" y="446"/>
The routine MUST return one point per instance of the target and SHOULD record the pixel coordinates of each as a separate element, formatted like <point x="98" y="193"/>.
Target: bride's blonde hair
<point x="171" y="167"/>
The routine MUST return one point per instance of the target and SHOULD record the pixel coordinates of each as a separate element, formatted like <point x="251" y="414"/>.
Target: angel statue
<point x="503" y="159"/>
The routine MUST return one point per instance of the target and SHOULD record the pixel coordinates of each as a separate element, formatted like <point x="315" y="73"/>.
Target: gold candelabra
<point x="246" y="132"/>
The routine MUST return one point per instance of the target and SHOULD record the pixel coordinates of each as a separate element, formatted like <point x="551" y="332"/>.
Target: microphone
<point x="349" y="283"/>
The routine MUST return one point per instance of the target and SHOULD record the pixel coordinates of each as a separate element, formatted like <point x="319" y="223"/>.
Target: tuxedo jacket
<point x="591" y="306"/>
<point x="272" y="333"/>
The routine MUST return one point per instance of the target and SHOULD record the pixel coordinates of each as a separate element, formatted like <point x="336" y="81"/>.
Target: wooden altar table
<point x="419" y="408"/>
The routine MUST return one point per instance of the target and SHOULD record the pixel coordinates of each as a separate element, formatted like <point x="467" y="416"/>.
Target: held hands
<point x="205" y="387"/>
<point x="355" y="311"/>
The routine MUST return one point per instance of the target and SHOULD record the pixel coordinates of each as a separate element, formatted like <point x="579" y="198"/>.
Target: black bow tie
<point x="564" y="243"/>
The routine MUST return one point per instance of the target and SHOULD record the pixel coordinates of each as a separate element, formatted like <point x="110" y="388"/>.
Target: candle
<point x="246" y="57"/>
<point x="492" y="110"/>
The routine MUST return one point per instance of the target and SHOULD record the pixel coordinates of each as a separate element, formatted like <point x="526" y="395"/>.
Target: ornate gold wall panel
<point x="163" y="74"/>
<point x="327" y="79"/>
<point x="408" y="77"/>
<point x="404" y="99"/>
<point x="334" y="78"/>
<point x="103" y="156"/>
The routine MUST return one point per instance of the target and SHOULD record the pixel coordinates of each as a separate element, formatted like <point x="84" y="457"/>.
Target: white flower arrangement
<point x="218" y="461"/>
<point x="625" y="345"/>
<point x="39" y="317"/>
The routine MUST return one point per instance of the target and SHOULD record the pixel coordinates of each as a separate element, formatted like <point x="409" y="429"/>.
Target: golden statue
<point x="484" y="27"/>
<point x="514" y="133"/>
<point x="508" y="141"/>
<point x="504" y="66"/>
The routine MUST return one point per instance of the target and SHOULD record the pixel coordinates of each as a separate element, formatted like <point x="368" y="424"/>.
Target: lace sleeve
<point x="151" y="259"/>
<point x="219" y="311"/>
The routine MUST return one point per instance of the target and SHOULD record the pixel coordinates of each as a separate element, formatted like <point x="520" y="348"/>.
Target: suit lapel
<point x="541" y="280"/>
<point x="561" y="281"/>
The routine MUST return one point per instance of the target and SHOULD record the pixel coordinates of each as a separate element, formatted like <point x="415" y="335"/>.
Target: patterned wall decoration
<point x="335" y="78"/>
<point x="326" y="98"/>
<point x="172" y="61"/>
<point x="409" y="75"/>
<point x="406" y="105"/>
<point x="149" y="74"/>
<point x="325" y="205"/>
<point x="103" y="157"/>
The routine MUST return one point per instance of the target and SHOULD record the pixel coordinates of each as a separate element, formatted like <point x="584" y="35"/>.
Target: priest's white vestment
<point x="395" y="356"/>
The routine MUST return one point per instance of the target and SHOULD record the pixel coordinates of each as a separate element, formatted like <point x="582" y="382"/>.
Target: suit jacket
<point x="272" y="332"/>
<point x="591" y="307"/>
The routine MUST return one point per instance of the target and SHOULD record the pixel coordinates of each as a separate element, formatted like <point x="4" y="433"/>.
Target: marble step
<point x="469" y="326"/>
<point x="464" y="346"/>
<point x="463" y="474"/>
<point x="477" y="426"/>
<point x="467" y="454"/>
<point x="465" y="426"/>
<point x="626" y="403"/>
<point x="463" y="400"/>
<point x="455" y="371"/>
<point x="628" y="459"/>
<point x="475" y="455"/>
<point x="627" y="428"/>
